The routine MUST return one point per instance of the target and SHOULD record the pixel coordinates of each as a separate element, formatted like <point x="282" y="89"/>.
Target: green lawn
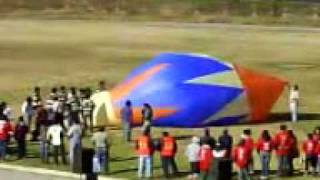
<point x="74" y="52"/>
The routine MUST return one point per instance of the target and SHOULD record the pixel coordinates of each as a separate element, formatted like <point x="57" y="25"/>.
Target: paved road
<point x="18" y="175"/>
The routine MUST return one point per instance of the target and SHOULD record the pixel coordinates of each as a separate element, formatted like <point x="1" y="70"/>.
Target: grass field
<point x="48" y="53"/>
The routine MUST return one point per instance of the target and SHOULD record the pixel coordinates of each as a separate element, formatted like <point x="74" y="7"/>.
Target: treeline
<point x="171" y="7"/>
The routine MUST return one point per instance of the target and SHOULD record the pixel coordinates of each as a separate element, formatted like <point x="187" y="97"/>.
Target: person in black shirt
<point x="208" y="139"/>
<point x="226" y="142"/>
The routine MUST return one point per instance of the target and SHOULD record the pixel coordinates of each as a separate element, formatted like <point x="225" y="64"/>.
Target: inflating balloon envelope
<point x="188" y="90"/>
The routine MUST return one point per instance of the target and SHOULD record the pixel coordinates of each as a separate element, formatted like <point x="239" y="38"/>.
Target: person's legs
<point x="318" y="165"/>
<point x="102" y="158"/>
<point x="165" y="165"/>
<point x="56" y="154"/>
<point x="140" y="166"/>
<point x="251" y="166"/>
<point x="174" y="165"/>
<point x="2" y="153"/>
<point x="148" y="162"/>
<point x="63" y="153"/>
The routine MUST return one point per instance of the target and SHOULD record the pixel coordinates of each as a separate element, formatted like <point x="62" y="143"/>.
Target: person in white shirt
<point x="27" y="111"/>
<point x="7" y="111"/>
<point x="192" y="153"/>
<point x="55" y="137"/>
<point x="294" y="102"/>
<point x="101" y="145"/>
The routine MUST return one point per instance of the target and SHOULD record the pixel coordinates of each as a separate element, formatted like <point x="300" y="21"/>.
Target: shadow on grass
<point x="119" y="159"/>
<point x="285" y="116"/>
<point x="127" y="170"/>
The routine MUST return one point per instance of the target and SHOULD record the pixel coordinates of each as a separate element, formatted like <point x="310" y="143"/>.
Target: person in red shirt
<point x="241" y="158"/>
<point x="293" y="151"/>
<point x="309" y="149"/>
<point x="205" y="157"/>
<point x="144" y="148"/>
<point x="316" y="134"/>
<point x="282" y="144"/>
<point x="168" y="149"/>
<point x="5" y="131"/>
<point x="264" y="148"/>
<point x="249" y="143"/>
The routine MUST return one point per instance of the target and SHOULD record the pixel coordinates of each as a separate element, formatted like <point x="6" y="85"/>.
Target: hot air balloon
<point x="190" y="91"/>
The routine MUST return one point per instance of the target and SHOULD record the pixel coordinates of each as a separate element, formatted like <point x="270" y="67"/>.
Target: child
<point x="192" y="152"/>
<point x="309" y="148"/>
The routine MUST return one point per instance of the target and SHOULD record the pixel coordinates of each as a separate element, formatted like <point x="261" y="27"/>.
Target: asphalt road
<point x="18" y="175"/>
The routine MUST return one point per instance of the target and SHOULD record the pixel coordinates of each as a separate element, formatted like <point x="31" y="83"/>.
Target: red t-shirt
<point x="283" y="143"/>
<point x="309" y="147"/>
<point x="5" y="128"/>
<point x="205" y="157"/>
<point x="263" y="145"/>
<point x="241" y="156"/>
<point x="249" y="144"/>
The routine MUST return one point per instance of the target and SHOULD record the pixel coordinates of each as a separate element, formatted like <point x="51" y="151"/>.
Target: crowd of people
<point x="64" y="115"/>
<point x="67" y="114"/>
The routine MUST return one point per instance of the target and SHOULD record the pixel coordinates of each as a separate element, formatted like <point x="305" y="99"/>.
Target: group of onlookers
<point x="63" y="114"/>
<point x="204" y="151"/>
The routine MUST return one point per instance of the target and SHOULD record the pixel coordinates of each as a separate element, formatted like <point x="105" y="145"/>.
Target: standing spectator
<point x="249" y="143"/>
<point x="294" y="102"/>
<point x="101" y="86"/>
<point x="21" y="131"/>
<point x="316" y="134"/>
<point x="36" y="97"/>
<point x="264" y="148"/>
<point x="27" y="111"/>
<point x="54" y="93"/>
<point x="205" y="161"/>
<point x="226" y="142"/>
<point x="101" y="144"/>
<point x="309" y="149"/>
<point x="74" y="135"/>
<point x="44" y="144"/>
<point x="41" y="116"/>
<point x="74" y="102"/>
<point x="55" y="137"/>
<point x="282" y="145"/>
<point x="127" y="117"/>
<point x="7" y="111"/>
<point x="192" y="152"/>
<point x="168" y="149"/>
<point x="147" y="116"/>
<point x="207" y="139"/>
<point x="87" y="106"/>
<point x="62" y="94"/>
<point x="293" y="151"/>
<point x="241" y="157"/>
<point x="144" y="148"/>
<point x="67" y="121"/>
<point x="5" y="131"/>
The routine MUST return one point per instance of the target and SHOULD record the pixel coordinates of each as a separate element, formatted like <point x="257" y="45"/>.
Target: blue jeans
<point x="283" y="164"/>
<point x="3" y="148"/>
<point x="74" y="148"/>
<point x="265" y="162"/>
<point x="101" y="154"/>
<point x="44" y="151"/>
<point x="145" y="166"/>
